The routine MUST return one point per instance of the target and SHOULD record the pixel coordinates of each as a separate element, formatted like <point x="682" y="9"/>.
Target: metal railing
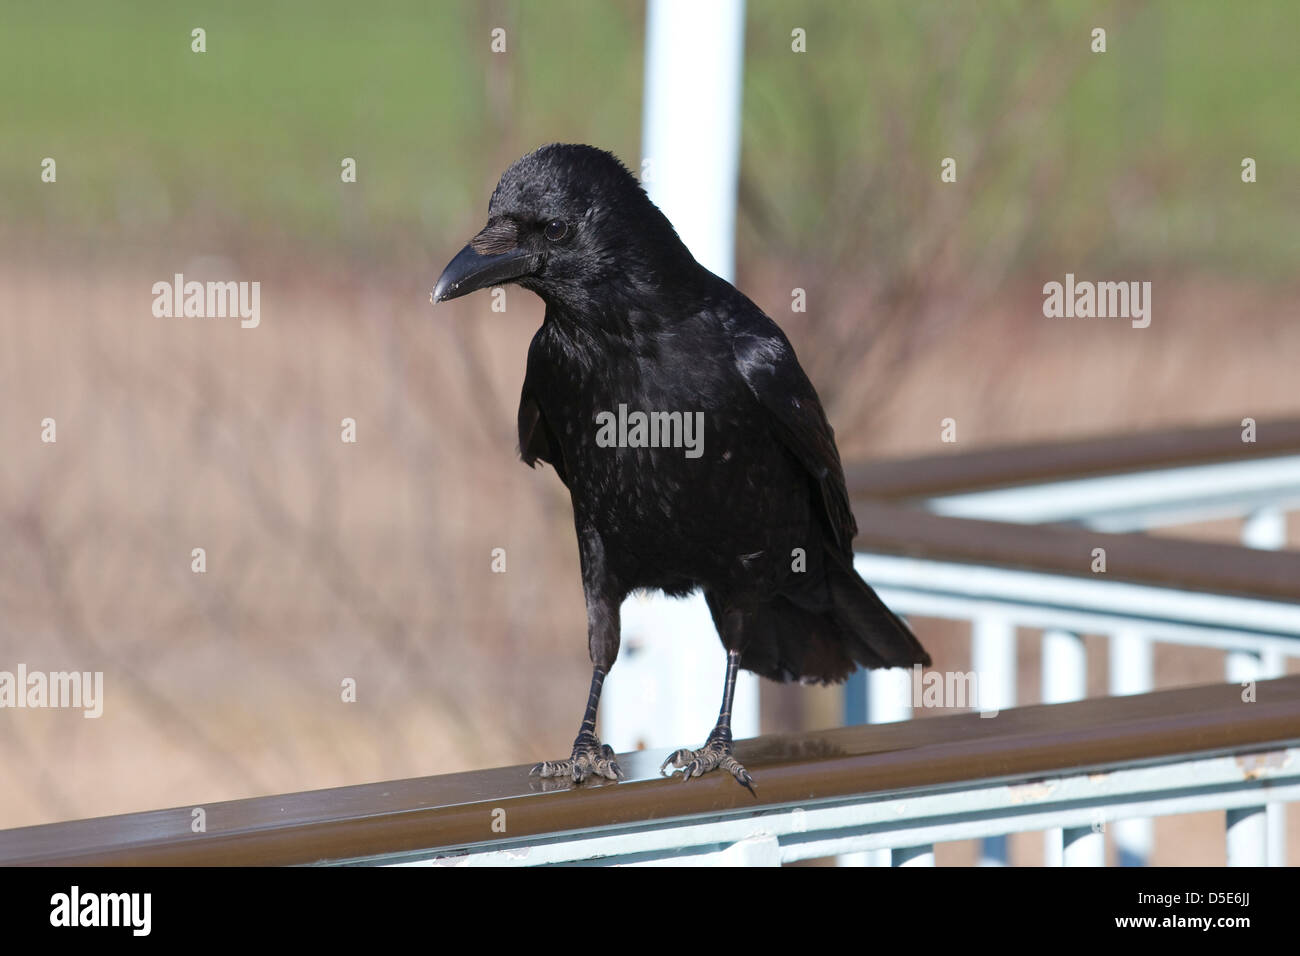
<point x="898" y="787"/>
<point x="941" y="538"/>
<point x="1033" y="536"/>
<point x="1068" y="581"/>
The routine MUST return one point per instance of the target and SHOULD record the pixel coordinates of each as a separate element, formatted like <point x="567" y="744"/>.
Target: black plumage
<point x="760" y="521"/>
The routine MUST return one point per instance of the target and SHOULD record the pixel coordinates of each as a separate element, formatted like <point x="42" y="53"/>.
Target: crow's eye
<point x="556" y="230"/>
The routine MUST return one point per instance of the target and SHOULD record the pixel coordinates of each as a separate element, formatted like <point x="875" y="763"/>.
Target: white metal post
<point x="1264" y="528"/>
<point x="889" y="699"/>
<point x="889" y="695"/>
<point x="690" y="165"/>
<point x="913" y="855"/>
<point x="1132" y="660"/>
<point x="1065" y="678"/>
<point x="1083" y="846"/>
<point x="1065" y="667"/>
<point x="1247" y="836"/>
<point x="993" y="659"/>
<point x="666" y="686"/>
<point x="691" y="124"/>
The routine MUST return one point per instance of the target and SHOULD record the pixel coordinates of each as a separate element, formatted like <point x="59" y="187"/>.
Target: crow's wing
<point x="536" y="440"/>
<point x="767" y="363"/>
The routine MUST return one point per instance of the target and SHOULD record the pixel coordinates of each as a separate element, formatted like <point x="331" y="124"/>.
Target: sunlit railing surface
<point x="900" y="788"/>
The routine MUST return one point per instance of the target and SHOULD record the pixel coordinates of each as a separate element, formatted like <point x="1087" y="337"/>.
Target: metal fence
<point x="899" y="787"/>
<point x="1047" y="536"/>
<point x="1037" y="537"/>
<point x="1084" y="570"/>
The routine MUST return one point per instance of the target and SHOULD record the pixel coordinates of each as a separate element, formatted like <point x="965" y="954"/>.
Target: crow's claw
<point x="715" y="754"/>
<point x="590" y="758"/>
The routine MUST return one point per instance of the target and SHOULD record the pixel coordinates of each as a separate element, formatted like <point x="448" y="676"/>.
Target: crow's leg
<point x="716" y="751"/>
<point x="590" y="756"/>
<point x="603" y="599"/>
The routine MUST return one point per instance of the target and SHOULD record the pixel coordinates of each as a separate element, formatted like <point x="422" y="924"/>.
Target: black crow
<point x="694" y="448"/>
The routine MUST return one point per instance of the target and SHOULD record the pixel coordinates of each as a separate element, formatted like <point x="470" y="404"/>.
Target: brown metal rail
<point x="882" y="489"/>
<point x="957" y="472"/>
<point x="408" y="816"/>
<point x="1203" y="566"/>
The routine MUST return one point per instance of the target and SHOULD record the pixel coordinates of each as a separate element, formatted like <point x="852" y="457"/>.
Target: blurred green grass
<point x="249" y="136"/>
<point x="1140" y="147"/>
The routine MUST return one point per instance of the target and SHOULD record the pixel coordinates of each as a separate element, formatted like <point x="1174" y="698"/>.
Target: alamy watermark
<point x="208" y="300"/>
<point x="133" y="911"/>
<point x="637" y="429"/>
<point x="1101" y="300"/>
<point x="53" y="689"/>
<point x="943" y="689"/>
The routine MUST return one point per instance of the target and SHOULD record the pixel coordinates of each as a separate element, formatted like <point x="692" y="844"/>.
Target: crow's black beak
<point x="470" y="271"/>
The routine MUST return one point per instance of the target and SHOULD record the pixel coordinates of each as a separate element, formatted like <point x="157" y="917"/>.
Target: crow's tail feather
<point x="826" y="643"/>
<point x="874" y="634"/>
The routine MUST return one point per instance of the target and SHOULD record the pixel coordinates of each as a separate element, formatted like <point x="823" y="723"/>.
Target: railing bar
<point x="863" y="838"/>
<point x="909" y="600"/>
<point x="1079" y="799"/>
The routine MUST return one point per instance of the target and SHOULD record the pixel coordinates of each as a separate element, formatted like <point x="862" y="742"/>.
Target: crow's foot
<point x="716" y="753"/>
<point x="590" y="758"/>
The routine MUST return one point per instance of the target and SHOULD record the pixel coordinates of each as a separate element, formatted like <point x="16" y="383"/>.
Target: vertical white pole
<point x="1247" y="836"/>
<point x="993" y="659"/>
<point x="1131" y="669"/>
<point x="889" y="695"/>
<point x="1065" y="678"/>
<point x="1266" y="529"/>
<point x="913" y="855"/>
<point x="667" y="693"/>
<point x="1083" y="846"/>
<point x="1131" y="663"/>
<point x="691" y="124"/>
<point x="889" y="699"/>
<point x="1065" y="667"/>
<point x="666" y="686"/>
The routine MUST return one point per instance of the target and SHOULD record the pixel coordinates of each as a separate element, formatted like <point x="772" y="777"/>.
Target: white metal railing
<point x="1257" y="636"/>
<point x="997" y="601"/>
<point x="1139" y="500"/>
<point x="906" y="825"/>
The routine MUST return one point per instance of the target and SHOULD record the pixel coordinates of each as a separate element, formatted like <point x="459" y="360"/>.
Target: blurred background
<point x="372" y="561"/>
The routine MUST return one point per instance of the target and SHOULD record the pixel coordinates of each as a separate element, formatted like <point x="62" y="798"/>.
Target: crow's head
<point x="571" y="224"/>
